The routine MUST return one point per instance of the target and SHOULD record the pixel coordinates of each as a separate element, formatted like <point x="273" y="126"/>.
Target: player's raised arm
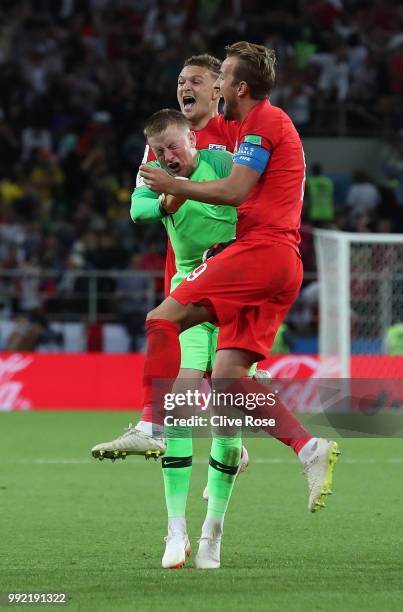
<point x="229" y="191"/>
<point x="146" y="205"/>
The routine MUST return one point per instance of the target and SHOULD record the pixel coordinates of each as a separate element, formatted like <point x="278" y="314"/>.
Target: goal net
<point x="360" y="303"/>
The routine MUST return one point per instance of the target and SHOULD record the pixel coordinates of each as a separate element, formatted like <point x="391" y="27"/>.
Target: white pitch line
<point x="262" y="460"/>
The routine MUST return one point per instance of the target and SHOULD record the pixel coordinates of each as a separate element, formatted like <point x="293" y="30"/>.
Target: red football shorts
<point x="249" y="288"/>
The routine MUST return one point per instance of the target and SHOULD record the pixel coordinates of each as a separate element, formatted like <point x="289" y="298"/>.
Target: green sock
<point x="176" y="469"/>
<point x="224" y="461"/>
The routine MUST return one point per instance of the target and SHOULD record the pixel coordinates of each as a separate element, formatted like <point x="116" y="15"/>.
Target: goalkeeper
<point x="192" y="230"/>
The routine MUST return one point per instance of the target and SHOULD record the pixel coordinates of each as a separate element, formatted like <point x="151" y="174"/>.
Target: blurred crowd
<point x="78" y="78"/>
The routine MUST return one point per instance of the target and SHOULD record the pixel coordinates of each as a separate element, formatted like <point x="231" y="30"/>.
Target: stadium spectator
<point x="334" y="73"/>
<point x="305" y="314"/>
<point x="360" y="222"/>
<point x="9" y="145"/>
<point x="319" y="196"/>
<point x="35" y="139"/>
<point x="31" y="331"/>
<point x="363" y="196"/>
<point x="393" y="342"/>
<point x="132" y="294"/>
<point x="154" y="261"/>
<point x="70" y="298"/>
<point x="392" y="161"/>
<point x="306" y="247"/>
<point x="29" y="290"/>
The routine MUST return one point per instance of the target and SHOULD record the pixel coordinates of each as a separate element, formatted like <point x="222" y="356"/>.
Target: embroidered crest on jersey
<point x="217" y="147"/>
<point x="253" y="139"/>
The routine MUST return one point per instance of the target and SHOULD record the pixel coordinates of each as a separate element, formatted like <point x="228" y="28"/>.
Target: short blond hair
<point x="205" y="60"/>
<point x="256" y="66"/>
<point x="162" y="119"/>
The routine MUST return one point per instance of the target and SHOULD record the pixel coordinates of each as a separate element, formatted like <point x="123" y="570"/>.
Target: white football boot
<point x="131" y="442"/>
<point x="177" y="550"/>
<point x="319" y="472"/>
<point x="208" y="555"/>
<point x="243" y="464"/>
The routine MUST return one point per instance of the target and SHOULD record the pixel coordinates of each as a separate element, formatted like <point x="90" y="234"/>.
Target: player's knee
<point x="161" y="313"/>
<point x="154" y="314"/>
<point x="225" y="371"/>
<point x="232" y="364"/>
<point x="169" y="312"/>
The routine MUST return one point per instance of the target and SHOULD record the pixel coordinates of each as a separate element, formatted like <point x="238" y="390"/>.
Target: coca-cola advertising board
<point x="86" y="381"/>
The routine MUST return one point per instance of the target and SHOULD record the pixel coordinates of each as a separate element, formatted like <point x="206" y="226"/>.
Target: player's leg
<point x="254" y="328"/>
<point x="163" y="357"/>
<point x="197" y="344"/>
<point x="244" y="459"/>
<point x="176" y="469"/>
<point x="163" y="325"/>
<point x="223" y="464"/>
<point x="317" y="455"/>
<point x="176" y="465"/>
<point x="148" y="434"/>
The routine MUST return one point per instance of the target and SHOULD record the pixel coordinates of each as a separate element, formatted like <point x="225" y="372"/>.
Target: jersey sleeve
<point x="145" y="204"/>
<point x="257" y="138"/>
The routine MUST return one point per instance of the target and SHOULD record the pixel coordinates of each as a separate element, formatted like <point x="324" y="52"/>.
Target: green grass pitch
<point x="95" y="530"/>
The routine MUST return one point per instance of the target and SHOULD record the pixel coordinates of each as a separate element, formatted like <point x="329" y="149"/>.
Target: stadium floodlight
<point x="360" y="297"/>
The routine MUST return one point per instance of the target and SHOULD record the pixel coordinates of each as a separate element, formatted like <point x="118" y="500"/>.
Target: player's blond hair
<point x="162" y="119"/>
<point x="256" y="66"/>
<point x="205" y="60"/>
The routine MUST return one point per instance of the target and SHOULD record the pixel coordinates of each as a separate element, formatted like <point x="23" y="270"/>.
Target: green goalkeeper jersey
<point x="195" y="226"/>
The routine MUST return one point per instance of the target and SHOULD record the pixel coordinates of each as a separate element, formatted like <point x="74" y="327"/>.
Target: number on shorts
<point x="196" y="272"/>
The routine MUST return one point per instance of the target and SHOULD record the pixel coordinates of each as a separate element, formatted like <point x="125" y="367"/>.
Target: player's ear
<point x="192" y="139"/>
<point x="242" y="89"/>
<point x="216" y="95"/>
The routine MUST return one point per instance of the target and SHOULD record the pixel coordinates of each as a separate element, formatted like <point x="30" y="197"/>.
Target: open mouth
<point x="174" y="167"/>
<point x="188" y="103"/>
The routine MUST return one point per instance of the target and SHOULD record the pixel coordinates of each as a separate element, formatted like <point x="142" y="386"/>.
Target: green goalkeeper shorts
<point x="198" y="348"/>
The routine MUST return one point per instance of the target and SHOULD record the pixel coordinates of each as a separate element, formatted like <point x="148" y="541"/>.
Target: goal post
<point x="360" y="279"/>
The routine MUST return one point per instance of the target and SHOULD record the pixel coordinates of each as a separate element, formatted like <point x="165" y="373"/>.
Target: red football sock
<point x="163" y="360"/>
<point x="287" y="430"/>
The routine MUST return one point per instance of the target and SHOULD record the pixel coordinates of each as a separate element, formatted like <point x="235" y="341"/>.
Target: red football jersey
<point x="272" y="211"/>
<point x="217" y="134"/>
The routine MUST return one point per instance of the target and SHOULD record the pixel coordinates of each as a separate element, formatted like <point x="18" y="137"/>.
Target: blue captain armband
<point x="254" y="156"/>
